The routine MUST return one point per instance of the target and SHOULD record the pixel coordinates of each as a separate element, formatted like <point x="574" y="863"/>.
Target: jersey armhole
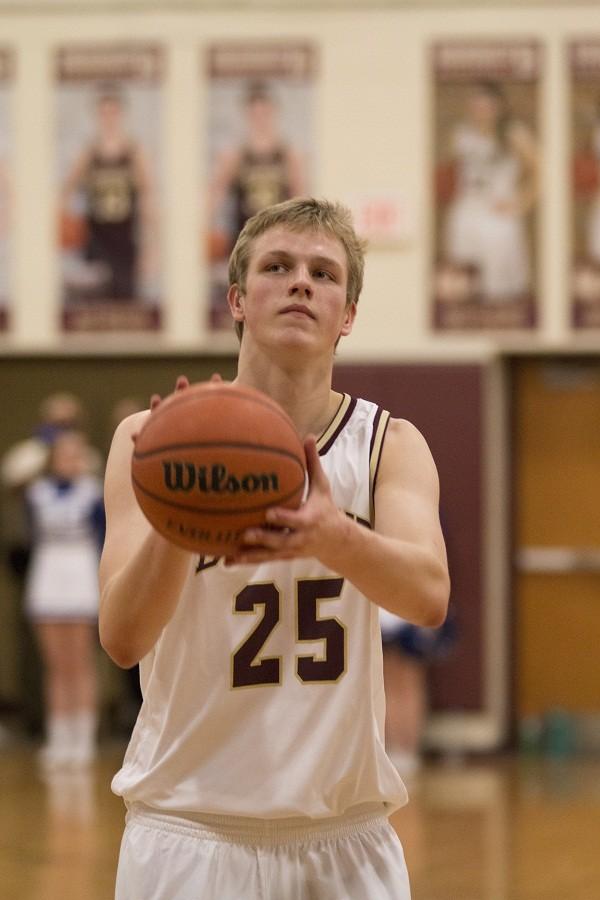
<point x="380" y="424"/>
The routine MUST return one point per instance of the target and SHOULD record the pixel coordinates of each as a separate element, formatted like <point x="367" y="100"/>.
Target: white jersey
<point x="62" y="578"/>
<point x="263" y="696"/>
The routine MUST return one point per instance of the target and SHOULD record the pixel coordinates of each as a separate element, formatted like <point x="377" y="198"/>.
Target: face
<point x="110" y="114"/>
<point x="295" y="292"/>
<point x="68" y="457"/>
<point x="484" y="108"/>
<point x="261" y="115"/>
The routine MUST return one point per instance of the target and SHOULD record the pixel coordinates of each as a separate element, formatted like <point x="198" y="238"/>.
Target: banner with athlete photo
<point x="6" y="77"/>
<point x="108" y="142"/>
<point x="585" y="206"/>
<point x="260" y="143"/>
<point x="486" y="184"/>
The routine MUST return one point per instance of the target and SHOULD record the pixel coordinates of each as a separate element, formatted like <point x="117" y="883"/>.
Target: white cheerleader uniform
<point x="62" y="579"/>
<point x="262" y="723"/>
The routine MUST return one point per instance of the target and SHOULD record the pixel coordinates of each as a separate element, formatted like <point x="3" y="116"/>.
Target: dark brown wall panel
<point x="445" y="403"/>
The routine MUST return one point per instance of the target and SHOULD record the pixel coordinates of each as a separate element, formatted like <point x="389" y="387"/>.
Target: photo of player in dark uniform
<point x="264" y="169"/>
<point x="113" y="177"/>
<point x="260" y="145"/>
<point x="110" y="182"/>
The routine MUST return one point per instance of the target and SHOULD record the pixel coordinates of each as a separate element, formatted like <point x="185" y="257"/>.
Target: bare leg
<point x="70" y="685"/>
<point x="406" y="706"/>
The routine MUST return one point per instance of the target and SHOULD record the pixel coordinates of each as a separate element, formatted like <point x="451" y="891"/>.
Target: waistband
<point x="245" y="830"/>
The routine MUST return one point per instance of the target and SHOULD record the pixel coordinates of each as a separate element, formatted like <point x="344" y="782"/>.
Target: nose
<point x="300" y="283"/>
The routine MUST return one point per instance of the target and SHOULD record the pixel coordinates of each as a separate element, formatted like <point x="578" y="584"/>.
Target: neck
<point x="302" y="388"/>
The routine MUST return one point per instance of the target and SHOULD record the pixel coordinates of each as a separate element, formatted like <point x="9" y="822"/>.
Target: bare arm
<point x="141" y="574"/>
<point x="523" y="145"/>
<point x="400" y="565"/>
<point x="226" y="168"/>
<point x="147" y="206"/>
<point x="75" y="176"/>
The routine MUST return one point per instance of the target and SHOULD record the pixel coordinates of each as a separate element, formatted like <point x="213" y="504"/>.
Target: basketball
<point x="210" y="461"/>
<point x="72" y="231"/>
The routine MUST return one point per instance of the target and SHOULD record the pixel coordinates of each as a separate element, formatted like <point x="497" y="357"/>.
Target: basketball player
<point x="257" y="766"/>
<point x="114" y="175"/>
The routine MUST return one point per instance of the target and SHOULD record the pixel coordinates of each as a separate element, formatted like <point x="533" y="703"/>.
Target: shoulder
<point x="520" y="135"/>
<point x="37" y="489"/>
<point x="122" y="443"/>
<point x="405" y="454"/>
<point x="130" y="425"/>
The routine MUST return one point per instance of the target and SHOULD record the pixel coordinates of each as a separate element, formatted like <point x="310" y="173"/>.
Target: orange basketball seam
<point x="238" y="445"/>
<point x="215" y="511"/>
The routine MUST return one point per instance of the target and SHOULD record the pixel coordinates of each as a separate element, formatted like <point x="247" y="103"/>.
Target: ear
<point x="349" y="317"/>
<point x="235" y="298"/>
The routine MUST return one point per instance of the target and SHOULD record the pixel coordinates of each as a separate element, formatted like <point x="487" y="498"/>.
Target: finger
<point x="263" y="537"/>
<point x="182" y="383"/>
<point x="285" y="518"/>
<point x="215" y="378"/>
<point x="154" y="401"/>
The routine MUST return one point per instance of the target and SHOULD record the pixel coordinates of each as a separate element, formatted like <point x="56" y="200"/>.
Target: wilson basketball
<point x="210" y="461"/>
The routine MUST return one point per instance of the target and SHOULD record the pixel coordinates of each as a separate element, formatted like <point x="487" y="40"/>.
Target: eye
<point x="276" y="267"/>
<point x="323" y="275"/>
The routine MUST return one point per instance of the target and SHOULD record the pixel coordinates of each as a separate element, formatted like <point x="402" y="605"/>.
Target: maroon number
<point x="312" y="628"/>
<point x="249" y="670"/>
<point x="246" y="670"/>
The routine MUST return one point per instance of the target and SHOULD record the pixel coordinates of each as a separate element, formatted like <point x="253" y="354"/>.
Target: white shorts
<point x="355" y="857"/>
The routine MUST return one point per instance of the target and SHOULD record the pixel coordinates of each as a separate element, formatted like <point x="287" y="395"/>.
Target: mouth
<point x="300" y="309"/>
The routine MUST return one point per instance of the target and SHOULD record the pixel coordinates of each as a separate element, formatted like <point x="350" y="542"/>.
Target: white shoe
<point x="407" y="764"/>
<point x="54" y="759"/>
<point x="82" y="757"/>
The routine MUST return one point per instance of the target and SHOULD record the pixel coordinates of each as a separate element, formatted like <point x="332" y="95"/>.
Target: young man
<point x="257" y="767"/>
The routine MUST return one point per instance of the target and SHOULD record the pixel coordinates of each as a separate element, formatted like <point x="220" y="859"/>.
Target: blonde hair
<point x="301" y="214"/>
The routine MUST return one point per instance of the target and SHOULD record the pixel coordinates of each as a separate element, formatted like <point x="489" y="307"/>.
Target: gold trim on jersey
<point x="379" y="429"/>
<point x="335" y="422"/>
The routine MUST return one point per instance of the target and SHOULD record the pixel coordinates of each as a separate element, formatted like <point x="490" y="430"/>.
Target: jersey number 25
<point x="249" y="669"/>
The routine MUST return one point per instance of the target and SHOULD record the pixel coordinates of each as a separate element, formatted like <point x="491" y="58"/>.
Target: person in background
<point x="407" y="651"/>
<point x="66" y="514"/>
<point x="27" y="459"/>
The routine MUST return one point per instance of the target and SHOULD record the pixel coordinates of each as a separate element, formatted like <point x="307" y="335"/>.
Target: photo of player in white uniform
<point x="488" y="186"/>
